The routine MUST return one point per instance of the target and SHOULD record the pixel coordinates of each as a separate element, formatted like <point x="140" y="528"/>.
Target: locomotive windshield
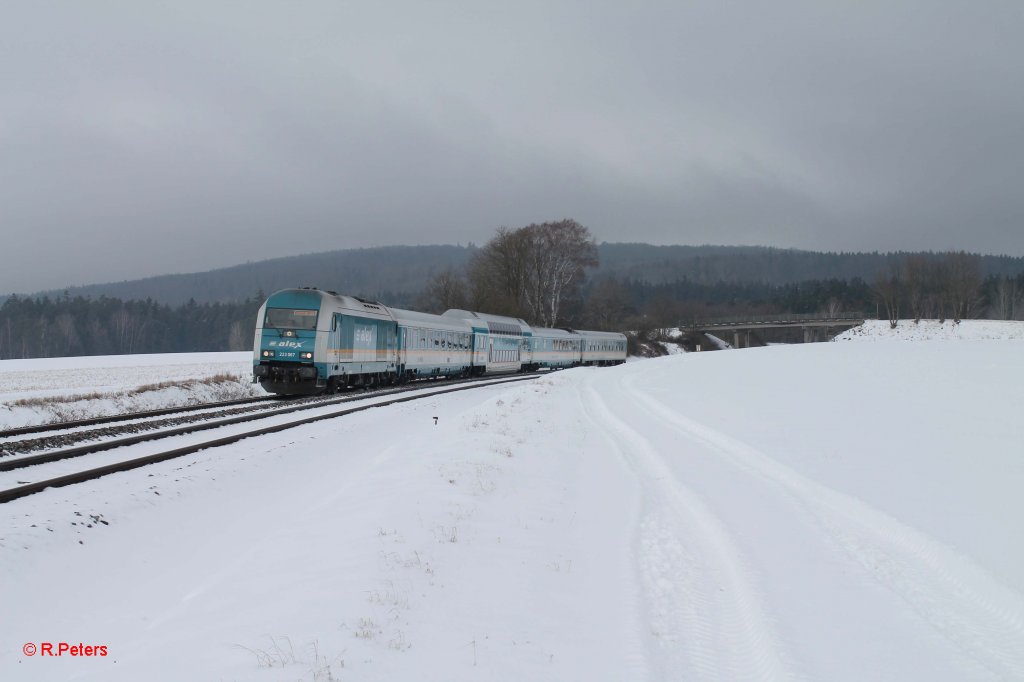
<point x="289" y="318"/>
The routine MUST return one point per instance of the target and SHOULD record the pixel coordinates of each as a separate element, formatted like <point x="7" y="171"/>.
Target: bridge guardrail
<point x="772" y="319"/>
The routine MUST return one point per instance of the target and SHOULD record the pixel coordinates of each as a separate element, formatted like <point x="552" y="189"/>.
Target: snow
<point x="672" y="348"/>
<point x="722" y="345"/>
<point x="116" y="378"/>
<point x="840" y="511"/>
<point x="933" y="330"/>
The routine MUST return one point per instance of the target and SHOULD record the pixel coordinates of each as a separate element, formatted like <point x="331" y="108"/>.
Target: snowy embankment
<point x="933" y="330"/>
<point x="57" y="389"/>
<point x="821" y="511"/>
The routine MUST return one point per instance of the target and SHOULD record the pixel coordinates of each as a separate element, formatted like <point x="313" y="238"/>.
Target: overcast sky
<point x="141" y="138"/>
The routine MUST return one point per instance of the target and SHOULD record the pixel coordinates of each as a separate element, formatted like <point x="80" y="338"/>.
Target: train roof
<point x="495" y="324"/>
<point x="611" y="336"/>
<point x="548" y="333"/>
<point x="301" y="297"/>
<point x="414" y="318"/>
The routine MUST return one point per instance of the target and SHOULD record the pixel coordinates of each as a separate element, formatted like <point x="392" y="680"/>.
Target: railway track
<point x="129" y="416"/>
<point x="88" y="430"/>
<point x="127" y="462"/>
<point x="69" y="433"/>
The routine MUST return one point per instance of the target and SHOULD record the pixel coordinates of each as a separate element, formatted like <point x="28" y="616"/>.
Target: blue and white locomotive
<point x="311" y="341"/>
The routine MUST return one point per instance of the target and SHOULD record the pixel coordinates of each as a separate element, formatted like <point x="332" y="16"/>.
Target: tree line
<point x="69" y="326"/>
<point x="538" y="273"/>
<point x="947" y="286"/>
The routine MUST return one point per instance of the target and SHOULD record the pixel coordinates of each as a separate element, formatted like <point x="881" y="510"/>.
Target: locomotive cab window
<point x="290" y="318"/>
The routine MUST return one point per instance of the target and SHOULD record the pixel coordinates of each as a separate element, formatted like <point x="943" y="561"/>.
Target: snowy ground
<point x="933" y="330"/>
<point x="841" y="511"/>
<point x="57" y="389"/>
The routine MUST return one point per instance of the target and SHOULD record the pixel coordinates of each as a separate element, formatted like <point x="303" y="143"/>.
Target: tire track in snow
<point x="705" y="613"/>
<point x="964" y="602"/>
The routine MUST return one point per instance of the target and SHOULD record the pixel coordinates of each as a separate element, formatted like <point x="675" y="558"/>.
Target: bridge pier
<point x="741" y="339"/>
<point x="815" y="334"/>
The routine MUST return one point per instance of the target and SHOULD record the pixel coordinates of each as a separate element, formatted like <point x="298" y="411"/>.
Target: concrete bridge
<point x="815" y="326"/>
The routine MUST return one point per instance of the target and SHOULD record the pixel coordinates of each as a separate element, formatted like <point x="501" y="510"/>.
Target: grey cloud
<point x="141" y="138"/>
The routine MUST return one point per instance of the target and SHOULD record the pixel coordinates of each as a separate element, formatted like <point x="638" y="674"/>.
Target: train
<point x="310" y="341"/>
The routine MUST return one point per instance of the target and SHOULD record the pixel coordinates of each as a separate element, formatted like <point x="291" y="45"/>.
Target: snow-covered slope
<point x="933" y="330"/>
<point x="810" y="512"/>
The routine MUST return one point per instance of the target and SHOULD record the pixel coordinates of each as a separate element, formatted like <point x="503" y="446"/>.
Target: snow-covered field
<point x="835" y="511"/>
<point x="57" y="389"/>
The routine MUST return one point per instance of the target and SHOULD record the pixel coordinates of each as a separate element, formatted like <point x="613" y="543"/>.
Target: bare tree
<point x="446" y="289"/>
<point x="934" y="306"/>
<point x="887" y="287"/>
<point x="239" y="336"/>
<point x="963" y="284"/>
<point x="530" y="272"/>
<point x="125" y="327"/>
<point x="917" y="276"/>
<point x="65" y="325"/>
<point x="558" y="254"/>
<point x="498" y="273"/>
<point x="832" y="307"/>
<point x="608" y="305"/>
<point x="1008" y="300"/>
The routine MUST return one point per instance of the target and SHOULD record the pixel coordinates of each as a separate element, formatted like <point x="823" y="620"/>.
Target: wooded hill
<point x="398" y="274"/>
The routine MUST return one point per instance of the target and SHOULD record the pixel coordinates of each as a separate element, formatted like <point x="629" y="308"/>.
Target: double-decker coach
<point x="500" y="343"/>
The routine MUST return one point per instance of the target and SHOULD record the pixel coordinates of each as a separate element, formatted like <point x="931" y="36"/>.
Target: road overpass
<point x="816" y="326"/>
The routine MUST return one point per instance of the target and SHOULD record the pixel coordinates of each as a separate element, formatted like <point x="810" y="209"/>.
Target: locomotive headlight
<point x="307" y="356"/>
<point x="268" y="353"/>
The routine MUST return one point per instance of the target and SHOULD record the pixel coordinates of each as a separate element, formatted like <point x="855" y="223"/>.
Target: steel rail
<point x="127" y="465"/>
<point x="128" y="416"/>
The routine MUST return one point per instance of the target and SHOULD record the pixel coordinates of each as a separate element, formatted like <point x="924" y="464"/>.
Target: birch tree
<point x="531" y="271"/>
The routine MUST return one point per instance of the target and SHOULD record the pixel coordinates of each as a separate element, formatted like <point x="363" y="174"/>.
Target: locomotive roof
<point x="300" y="296"/>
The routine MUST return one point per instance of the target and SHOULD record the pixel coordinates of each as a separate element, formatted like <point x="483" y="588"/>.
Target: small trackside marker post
<point x="435" y="421"/>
